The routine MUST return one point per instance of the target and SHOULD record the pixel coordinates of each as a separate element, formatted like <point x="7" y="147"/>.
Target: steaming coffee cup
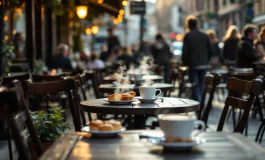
<point x="179" y="125"/>
<point x="149" y="92"/>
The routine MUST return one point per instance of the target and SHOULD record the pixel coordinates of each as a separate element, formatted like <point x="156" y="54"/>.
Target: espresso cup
<point x="148" y="92"/>
<point x="179" y="125"/>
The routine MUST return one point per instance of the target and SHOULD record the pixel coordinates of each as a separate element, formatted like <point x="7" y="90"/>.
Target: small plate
<point x="103" y="133"/>
<point x="119" y="102"/>
<point x="146" y="100"/>
<point x="178" y="146"/>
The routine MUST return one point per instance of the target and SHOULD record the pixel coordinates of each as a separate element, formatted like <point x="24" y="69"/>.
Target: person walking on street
<point x="161" y="53"/>
<point x="246" y="54"/>
<point x="196" y="52"/>
<point x="260" y="45"/>
<point x="231" y="40"/>
<point x="113" y="41"/>
<point x="216" y="59"/>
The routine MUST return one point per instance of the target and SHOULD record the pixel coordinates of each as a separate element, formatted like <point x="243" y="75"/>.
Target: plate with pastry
<point x="125" y="98"/>
<point x="104" y="128"/>
<point x="178" y="144"/>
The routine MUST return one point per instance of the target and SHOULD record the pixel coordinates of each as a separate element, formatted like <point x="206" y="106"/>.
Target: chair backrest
<point x="46" y="78"/>
<point x="210" y="81"/>
<point x="182" y="71"/>
<point x="242" y="73"/>
<point x="7" y="80"/>
<point x="91" y="75"/>
<point x="235" y="87"/>
<point x="19" y="117"/>
<point x="68" y="86"/>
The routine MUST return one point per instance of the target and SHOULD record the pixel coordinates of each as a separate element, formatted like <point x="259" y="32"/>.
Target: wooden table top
<point x="128" y="146"/>
<point x="111" y="87"/>
<point x="169" y="105"/>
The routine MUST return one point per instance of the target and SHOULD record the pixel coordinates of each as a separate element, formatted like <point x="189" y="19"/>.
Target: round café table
<point x="155" y="78"/>
<point x="110" y="88"/>
<point x="139" y="110"/>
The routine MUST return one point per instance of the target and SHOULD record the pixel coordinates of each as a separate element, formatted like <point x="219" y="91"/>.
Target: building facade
<point x="259" y="13"/>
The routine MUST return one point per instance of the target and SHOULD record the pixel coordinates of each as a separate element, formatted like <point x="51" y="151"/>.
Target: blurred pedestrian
<point x="246" y="53"/>
<point x="162" y="55"/>
<point x="216" y="59"/>
<point x="113" y="41"/>
<point x="104" y="53"/>
<point x="231" y="40"/>
<point x="19" y="46"/>
<point x="126" y="55"/>
<point x="95" y="62"/>
<point x="60" y="59"/>
<point x="196" y="53"/>
<point x="260" y="45"/>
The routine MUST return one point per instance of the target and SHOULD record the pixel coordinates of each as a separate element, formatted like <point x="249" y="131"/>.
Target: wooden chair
<point x="210" y="81"/>
<point x="46" y="78"/>
<point x="91" y="75"/>
<point x="235" y="86"/>
<point x="68" y="86"/>
<point x="17" y="118"/>
<point x="261" y="129"/>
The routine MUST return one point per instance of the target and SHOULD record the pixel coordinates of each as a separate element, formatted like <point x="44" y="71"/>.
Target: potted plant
<point x="38" y="66"/>
<point x="49" y="124"/>
<point x="7" y="56"/>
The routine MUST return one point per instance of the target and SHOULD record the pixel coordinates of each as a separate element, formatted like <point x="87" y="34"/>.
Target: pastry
<point x="114" y="97"/>
<point x="132" y="93"/>
<point x="106" y="127"/>
<point x="126" y="97"/>
<point x="95" y="124"/>
<point x="116" y="124"/>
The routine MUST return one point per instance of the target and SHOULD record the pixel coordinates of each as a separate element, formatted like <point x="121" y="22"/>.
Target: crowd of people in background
<point x="200" y="50"/>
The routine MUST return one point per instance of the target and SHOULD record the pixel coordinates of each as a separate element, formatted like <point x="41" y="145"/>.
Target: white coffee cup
<point x="179" y="125"/>
<point x="148" y="92"/>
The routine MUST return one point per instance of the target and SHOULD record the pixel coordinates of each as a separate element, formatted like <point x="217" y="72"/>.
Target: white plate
<point x="120" y="102"/>
<point x="103" y="133"/>
<point x="181" y="146"/>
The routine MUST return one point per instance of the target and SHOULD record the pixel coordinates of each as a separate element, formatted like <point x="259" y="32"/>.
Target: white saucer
<point x="103" y="133"/>
<point x="120" y="102"/>
<point x="178" y="146"/>
<point x="146" y="100"/>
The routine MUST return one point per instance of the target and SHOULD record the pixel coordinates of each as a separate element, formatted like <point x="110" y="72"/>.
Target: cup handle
<point x="158" y="93"/>
<point x="199" y="123"/>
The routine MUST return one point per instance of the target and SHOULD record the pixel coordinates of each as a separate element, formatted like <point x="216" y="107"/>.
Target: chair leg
<point x="262" y="133"/>
<point x="9" y="145"/>
<point x="259" y="131"/>
<point x="234" y="117"/>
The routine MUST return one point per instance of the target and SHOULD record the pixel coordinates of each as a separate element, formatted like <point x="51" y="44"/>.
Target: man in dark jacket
<point x="246" y="53"/>
<point x="196" y="52"/>
<point x="60" y="59"/>
<point x="113" y="41"/>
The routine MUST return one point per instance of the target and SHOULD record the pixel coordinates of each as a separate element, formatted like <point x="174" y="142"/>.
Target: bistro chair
<point x="18" y="117"/>
<point x="210" y="81"/>
<point x="236" y="86"/>
<point x="67" y="86"/>
<point x="46" y="78"/>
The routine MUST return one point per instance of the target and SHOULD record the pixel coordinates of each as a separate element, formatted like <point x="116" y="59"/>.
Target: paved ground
<point x="213" y="121"/>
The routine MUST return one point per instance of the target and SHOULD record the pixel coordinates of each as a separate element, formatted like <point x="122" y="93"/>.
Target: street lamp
<point x="100" y="1"/>
<point x="81" y="11"/>
<point x="94" y="29"/>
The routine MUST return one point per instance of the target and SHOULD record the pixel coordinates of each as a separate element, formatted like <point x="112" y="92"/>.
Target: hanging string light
<point x="124" y="2"/>
<point x="81" y="11"/>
